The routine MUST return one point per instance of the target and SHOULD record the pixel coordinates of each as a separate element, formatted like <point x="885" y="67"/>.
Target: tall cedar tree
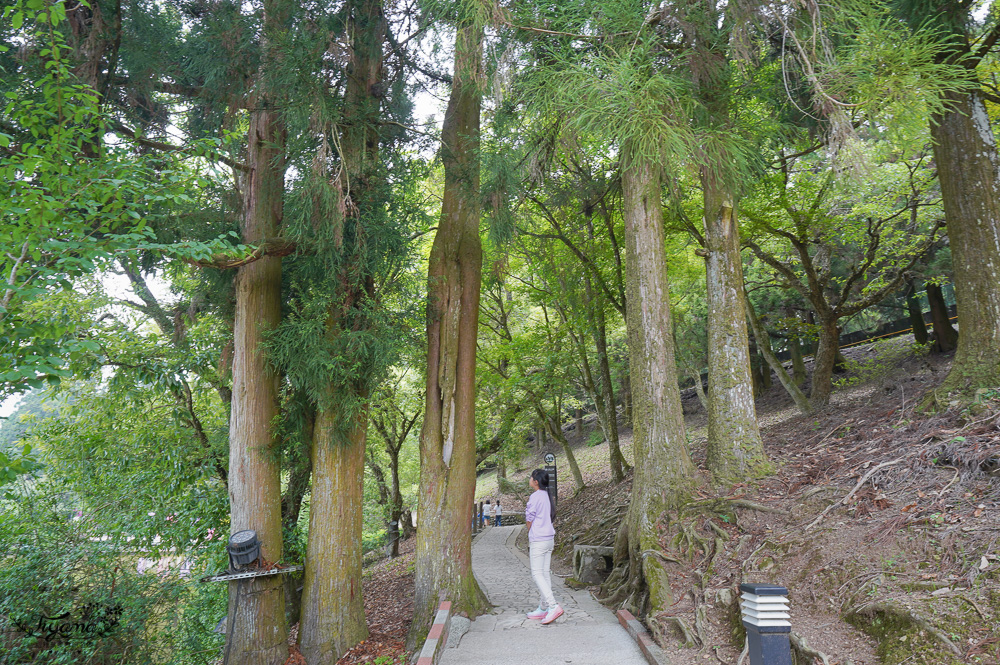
<point x="664" y="474"/>
<point x="735" y="449"/>
<point x="448" y="436"/>
<point x="333" y="617"/>
<point x="257" y="632"/>
<point x="968" y="169"/>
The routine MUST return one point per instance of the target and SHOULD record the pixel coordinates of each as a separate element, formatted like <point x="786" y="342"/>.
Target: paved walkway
<point x="587" y="634"/>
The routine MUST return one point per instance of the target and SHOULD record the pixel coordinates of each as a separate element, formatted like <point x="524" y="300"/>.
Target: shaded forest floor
<point x="882" y="522"/>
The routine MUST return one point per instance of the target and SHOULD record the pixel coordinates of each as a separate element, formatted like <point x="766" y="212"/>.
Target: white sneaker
<point x="553" y="614"/>
<point x="538" y="613"/>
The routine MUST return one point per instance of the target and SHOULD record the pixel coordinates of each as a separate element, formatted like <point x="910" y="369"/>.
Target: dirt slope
<point x="883" y="523"/>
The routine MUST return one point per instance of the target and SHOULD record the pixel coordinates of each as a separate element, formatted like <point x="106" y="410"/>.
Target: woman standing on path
<point x="541" y="539"/>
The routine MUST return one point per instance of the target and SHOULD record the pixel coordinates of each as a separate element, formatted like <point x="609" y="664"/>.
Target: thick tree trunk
<point x="916" y="315"/>
<point x="333" y="618"/>
<point x="257" y="630"/>
<point x="448" y="437"/>
<point x="823" y="364"/>
<point x="787" y="382"/>
<point x="945" y="336"/>
<point x="735" y="450"/>
<point x="256" y="619"/>
<point x="967" y="161"/>
<point x="664" y="475"/>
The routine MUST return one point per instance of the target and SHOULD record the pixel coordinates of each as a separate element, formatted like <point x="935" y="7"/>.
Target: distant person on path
<point x="493" y="510"/>
<point x="498" y="513"/>
<point x="538" y="516"/>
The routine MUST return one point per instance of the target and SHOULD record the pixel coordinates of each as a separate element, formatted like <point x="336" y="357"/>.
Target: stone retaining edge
<point x="437" y="638"/>
<point x="653" y="654"/>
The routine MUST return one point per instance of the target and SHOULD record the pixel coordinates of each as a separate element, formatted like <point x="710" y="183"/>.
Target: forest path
<point x="587" y="634"/>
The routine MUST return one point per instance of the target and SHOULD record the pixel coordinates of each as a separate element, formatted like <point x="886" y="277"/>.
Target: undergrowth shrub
<point x="880" y="367"/>
<point x="70" y="592"/>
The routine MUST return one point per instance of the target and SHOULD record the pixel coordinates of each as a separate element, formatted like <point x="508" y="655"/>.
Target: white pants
<point x="541" y="571"/>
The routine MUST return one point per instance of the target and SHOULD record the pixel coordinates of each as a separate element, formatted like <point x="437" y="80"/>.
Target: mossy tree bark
<point x="735" y="450"/>
<point x="448" y="436"/>
<point x="664" y="475"/>
<point x="333" y="617"/>
<point x="256" y="620"/>
<point x="968" y="169"/>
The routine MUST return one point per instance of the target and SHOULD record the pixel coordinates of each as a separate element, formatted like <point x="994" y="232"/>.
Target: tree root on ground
<point x="744" y="653"/>
<point x="719" y="531"/>
<point x="701" y="621"/>
<point x="615" y="588"/>
<point x="689" y="637"/>
<point x="817" y="489"/>
<point x="807" y="652"/>
<point x="688" y="538"/>
<point x="719" y="504"/>
<point x="661" y="556"/>
<point x="903" y="615"/>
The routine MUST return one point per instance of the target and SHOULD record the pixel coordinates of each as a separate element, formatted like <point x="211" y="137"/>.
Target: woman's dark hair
<point x="541" y="476"/>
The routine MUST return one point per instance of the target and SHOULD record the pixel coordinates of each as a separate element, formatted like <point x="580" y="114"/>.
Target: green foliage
<point x="69" y="203"/>
<point x="70" y="590"/>
<point x="125" y="482"/>
<point x="882" y="364"/>
<point x="619" y="96"/>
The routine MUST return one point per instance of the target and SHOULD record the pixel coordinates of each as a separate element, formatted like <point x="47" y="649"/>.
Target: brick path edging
<point x="437" y="638"/>
<point x="654" y="654"/>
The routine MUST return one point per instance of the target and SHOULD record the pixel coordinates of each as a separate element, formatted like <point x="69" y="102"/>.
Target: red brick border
<point x="652" y="653"/>
<point x="437" y="638"/>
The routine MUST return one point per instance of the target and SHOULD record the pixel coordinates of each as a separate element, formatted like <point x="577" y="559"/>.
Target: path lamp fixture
<point x="243" y="548"/>
<point x="246" y="561"/>
<point x="765" y="616"/>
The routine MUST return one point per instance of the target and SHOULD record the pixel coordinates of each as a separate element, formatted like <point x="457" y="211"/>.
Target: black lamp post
<point x="765" y="617"/>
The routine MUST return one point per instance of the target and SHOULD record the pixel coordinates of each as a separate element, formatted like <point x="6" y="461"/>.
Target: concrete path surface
<point x="587" y="634"/>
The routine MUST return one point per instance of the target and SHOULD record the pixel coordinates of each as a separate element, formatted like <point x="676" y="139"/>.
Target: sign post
<point x="550" y="468"/>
